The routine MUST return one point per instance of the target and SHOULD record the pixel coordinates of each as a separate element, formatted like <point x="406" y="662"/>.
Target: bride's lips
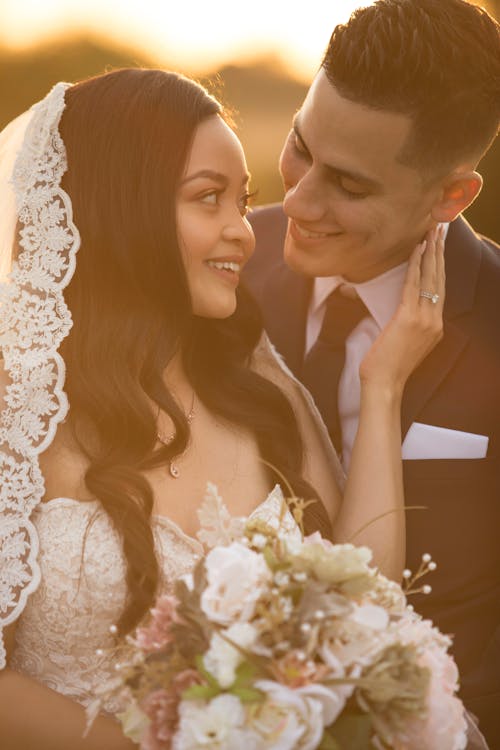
<point x="227" y="268"/>
<point x="308" y="237"/>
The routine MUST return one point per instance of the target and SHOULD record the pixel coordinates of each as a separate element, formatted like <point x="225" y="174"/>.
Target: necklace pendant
<point x="174" y="471"/>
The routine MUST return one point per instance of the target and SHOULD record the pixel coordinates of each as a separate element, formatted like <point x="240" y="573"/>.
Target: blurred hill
<point x="263" y="98"/>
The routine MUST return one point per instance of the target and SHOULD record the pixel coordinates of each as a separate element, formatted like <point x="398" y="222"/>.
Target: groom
<point x="386" y="145"/>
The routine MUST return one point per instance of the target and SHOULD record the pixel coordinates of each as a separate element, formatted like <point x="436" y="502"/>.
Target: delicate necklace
<point x="168" y="439"/>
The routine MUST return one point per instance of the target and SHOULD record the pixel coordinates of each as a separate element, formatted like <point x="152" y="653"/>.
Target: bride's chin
<point x="216" y="309"/>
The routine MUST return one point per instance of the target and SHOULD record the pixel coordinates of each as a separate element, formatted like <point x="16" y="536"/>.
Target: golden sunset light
<point x="193" y="35"/>
<point x="259" y="57"/>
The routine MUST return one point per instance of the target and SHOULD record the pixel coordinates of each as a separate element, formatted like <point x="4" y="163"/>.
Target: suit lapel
<point x="286" y="301"/>
<point x="463" y="255"/>
<point x="427" y="378"/>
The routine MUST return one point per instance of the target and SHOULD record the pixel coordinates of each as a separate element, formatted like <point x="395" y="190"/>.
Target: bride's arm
<point x="374" y="488"/>
<point x="34" y="717"/>
<point x="372" y="510"/>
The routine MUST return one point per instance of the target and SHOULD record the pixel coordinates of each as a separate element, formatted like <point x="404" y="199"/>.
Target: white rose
<point x="218" y="725"/>
<point x="222" y="659"/>
<point x="236" y="578"/>
<point x="353" y="641"/>
<point x="295" y="719"/>
<point x="371" y="616"/>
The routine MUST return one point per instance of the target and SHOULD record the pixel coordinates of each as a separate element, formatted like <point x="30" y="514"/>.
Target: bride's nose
<point x="239" y="231"/>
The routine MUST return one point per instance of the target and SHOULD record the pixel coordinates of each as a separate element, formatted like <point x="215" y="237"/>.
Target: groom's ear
<point x="458" y="191"/>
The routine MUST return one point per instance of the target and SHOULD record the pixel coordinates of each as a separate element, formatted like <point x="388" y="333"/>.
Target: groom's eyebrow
<point x="336" y="172"/>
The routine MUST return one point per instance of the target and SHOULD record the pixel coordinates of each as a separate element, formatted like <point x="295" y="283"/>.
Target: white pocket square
<point x="424" y="441"/>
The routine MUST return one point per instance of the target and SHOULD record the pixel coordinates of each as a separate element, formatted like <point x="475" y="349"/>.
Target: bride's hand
<point x="417" y="325"/>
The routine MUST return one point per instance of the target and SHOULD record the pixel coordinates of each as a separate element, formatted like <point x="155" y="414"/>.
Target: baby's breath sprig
<point x="410" y="579"/>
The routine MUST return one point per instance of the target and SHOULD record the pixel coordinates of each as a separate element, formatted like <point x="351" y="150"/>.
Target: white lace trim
<point x="34" y="319"/>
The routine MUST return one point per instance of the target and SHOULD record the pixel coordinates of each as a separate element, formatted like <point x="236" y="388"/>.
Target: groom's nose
<point x="303" y="200"/>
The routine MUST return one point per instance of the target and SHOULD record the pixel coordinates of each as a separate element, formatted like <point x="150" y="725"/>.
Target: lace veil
<point x="38" y="244"/>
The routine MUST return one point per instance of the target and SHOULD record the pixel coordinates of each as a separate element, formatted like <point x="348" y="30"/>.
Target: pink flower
<point x="185" y="680"/>
<point x="161" y="707"/>
<point x="156" y="634"/>
<point x="444" y="726"/>
<point x="296" y="672"/>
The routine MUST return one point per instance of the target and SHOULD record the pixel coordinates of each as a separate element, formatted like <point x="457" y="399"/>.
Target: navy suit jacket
<point x="458" y="387"/>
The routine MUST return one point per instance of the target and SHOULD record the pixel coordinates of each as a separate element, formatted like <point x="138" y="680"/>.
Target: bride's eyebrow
<point x="207" y="173"/>
<point x="219" y="177"/>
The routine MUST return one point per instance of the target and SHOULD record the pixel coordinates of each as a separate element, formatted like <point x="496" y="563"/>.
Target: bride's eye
<point x="246" y="202"/>
<point x="210" y="198"/>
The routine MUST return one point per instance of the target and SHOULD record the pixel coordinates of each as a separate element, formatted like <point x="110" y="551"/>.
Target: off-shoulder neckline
<point x="157" y="517"/>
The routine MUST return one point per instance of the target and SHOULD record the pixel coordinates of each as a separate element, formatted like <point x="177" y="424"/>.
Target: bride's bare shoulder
<point x="4" y="377"/>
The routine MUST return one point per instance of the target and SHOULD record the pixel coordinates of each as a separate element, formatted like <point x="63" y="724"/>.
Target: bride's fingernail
<point x="422" y="247"/>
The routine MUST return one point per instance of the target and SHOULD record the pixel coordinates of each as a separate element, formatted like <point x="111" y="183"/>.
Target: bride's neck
<point x="177" y="382"/>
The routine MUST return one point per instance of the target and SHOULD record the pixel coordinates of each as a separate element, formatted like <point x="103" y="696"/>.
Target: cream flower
<point x="277" y="727"/>
<point x="222" y="659"/>
<point x="333" y="563"/>
<point x="218" y="725"/>
<point x="236" y="578"/>
<point x="353" y="641"/>
<point x="135" y="722"/>
<point x="295" y="719"/>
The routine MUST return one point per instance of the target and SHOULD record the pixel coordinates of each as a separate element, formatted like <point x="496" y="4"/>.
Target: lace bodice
<point x="65" y="625"/>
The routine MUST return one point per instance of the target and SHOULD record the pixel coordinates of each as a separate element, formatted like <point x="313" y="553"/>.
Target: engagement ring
<point x="434" y="298"/>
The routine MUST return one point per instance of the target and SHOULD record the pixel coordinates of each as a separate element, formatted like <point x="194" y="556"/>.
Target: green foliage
<point x="201" y="692"/>
<point x="242" y="686"/>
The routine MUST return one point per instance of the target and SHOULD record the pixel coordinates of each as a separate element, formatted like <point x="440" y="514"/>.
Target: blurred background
<point x="258" y="58"/>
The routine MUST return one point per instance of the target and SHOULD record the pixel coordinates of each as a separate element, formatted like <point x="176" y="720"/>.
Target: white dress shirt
<point x="381" y="296"/>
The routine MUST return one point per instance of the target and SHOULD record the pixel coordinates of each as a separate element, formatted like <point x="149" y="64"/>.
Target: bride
<point x="170" y="378"/>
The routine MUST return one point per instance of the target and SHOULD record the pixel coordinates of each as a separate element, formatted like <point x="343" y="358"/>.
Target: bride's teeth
<point x="310" y="235"/>
<point x="224" y="266"/>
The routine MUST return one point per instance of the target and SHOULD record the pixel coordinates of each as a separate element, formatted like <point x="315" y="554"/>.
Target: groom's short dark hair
<point x="435" y="60"/>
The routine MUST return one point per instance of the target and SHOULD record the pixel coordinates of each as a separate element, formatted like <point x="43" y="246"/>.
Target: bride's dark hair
<point x="127" y="135"/>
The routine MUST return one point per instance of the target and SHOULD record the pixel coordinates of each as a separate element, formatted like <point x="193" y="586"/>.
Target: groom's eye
<point x="349" y="187"/>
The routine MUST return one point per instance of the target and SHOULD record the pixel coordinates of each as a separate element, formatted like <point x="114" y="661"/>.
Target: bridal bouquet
<point x="283" y="642"/>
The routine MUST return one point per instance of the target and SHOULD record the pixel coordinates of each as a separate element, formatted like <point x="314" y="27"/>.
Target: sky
<point x="196" y="36"/>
